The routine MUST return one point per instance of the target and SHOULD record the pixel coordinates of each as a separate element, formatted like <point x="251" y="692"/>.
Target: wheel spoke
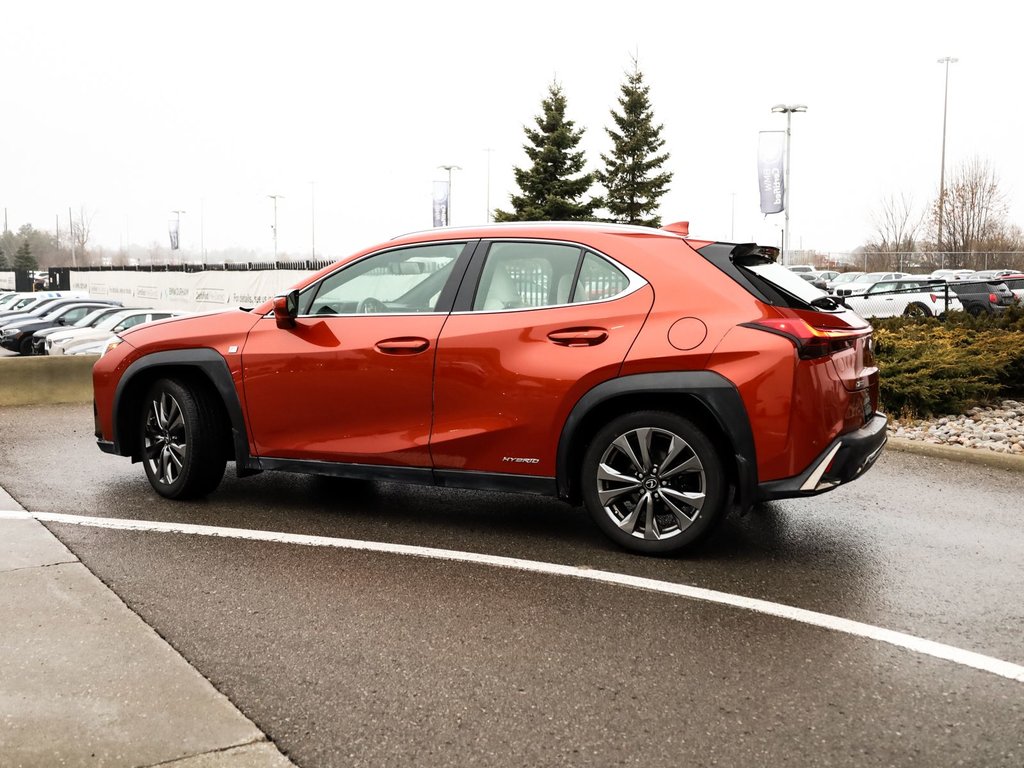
<point x="629" y="522"/>
<point x="622" y="443"/>
<point x="692" y="464"/>
<point x="679" y="501"/>
<point x="650" y="524"/>
<point x="177" y="454"/>
<point x="644" y="437"/>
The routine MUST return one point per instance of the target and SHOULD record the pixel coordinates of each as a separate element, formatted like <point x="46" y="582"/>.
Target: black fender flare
<point x="209" y="363"/>
<point x="718" y="396"/>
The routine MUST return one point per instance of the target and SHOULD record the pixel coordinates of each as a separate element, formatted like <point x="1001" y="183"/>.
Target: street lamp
<point x="788" y="109"/>
<point x="448" y="208"/>
<point x="275" y="198"/>
<point x="947" y="60"/>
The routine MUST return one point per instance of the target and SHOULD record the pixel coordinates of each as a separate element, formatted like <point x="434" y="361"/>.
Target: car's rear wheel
<point x="653" y="482"/>
<point x="917" y="309"/>
<point x="25" y="345"/>
<point x="181" y="433"/>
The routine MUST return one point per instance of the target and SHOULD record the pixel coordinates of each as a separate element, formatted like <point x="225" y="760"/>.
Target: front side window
<point x="402" y="281"/>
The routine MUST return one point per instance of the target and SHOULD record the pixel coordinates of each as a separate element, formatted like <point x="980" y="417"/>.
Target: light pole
<point x="448" y="208"/>
<point x="788" y="109"/>
<point x="312" y="217"/>
<point x="275" y="198"/>
<point x="487" y="216"/>
<point x="947" y="60"/>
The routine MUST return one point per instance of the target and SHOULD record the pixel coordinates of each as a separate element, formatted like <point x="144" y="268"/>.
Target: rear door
<point x="536" y="324"/>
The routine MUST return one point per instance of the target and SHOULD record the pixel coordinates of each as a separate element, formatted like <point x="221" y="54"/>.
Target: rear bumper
<point x="848" y="457"/>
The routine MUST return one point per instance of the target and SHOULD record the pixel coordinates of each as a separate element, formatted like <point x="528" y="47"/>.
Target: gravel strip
<point x="995" y="428"/>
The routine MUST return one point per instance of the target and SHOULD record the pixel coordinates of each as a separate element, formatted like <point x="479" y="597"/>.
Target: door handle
<point x="405" y="345"/>
<point x="578" y="337"/>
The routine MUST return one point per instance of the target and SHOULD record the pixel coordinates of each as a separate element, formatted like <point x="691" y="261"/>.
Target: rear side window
<point x="522" y="275"/>
<point x="599" y="279"/>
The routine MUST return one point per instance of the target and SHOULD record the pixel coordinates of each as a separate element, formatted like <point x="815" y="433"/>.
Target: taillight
<point x="811" y="343"/>
<point x="993" y="298"/>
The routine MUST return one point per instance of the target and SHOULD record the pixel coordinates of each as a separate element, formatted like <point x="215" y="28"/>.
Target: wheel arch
<point x="708" y="399"/>
<point x="201" y="367"/>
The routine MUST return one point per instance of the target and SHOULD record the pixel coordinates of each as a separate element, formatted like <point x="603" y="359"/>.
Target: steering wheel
<point x="370" y="306"/>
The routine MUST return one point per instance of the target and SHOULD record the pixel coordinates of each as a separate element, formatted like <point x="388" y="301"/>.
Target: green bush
<point x="931" y="367"/>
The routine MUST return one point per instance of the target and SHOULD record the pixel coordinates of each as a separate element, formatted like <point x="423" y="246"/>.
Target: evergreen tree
<point x="24" y="261"/>
<point x="4" y="264"/>
<point x="552" y="189"/>
<point x="631" y="172"/>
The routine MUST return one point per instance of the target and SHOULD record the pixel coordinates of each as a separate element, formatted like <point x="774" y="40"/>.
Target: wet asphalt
<point x="352" y="658"/>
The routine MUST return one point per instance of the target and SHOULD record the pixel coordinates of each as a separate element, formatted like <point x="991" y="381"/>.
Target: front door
<point x="352" y="381"/>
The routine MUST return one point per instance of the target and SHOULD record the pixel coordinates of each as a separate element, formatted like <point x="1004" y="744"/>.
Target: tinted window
<point x="397" y="282"/>
<point x="518" y="275"/>
<point x="599" y="279"/>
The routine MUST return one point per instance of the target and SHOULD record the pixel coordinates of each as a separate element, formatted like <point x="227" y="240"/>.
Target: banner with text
<point x="771" y="151"/>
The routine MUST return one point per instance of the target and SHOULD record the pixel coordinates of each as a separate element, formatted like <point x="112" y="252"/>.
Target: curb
<point x="981" y="456"/>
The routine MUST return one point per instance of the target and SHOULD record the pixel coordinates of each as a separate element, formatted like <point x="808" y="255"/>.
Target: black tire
<point x="181" y="434"/>
<point x="25" y="345"/>
<point x="653" y="493"/>
<point x="917" y="309"/>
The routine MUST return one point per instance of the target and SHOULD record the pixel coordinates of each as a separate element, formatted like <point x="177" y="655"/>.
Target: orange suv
<point x="660" y="380"/>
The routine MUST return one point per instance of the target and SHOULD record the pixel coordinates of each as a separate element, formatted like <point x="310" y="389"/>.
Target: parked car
<point x="1015" y="282"/>
<point x="909" y="296"/>
<point x="983" y="297"/>
<point x="990" y="274"/>
<point x="704" y="375"/>
<point x="814" y="279"/>
<point x="63" y="344"/>
<point x="861" y="283"/>
<point x="826" y="274"/>
<point x="800" y="268"/>
<point x="841" y="279"/>
<point x="952" y="274"/>
<point x="46" y="307"/>
<point x="90" y="320"/>
<point x="28" y="302"/>
<point x="17" y="337"/>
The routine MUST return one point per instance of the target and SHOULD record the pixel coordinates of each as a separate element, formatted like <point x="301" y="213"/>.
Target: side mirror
<point x="286" y="309"/>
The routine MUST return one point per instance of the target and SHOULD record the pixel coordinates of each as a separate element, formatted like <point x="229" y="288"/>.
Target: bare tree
<point x="975" y="208"/>
<point x="896" y="225"/>
<point x="81" y="228"/>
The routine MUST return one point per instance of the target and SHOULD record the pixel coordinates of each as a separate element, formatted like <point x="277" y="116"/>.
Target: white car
<point x="914" y="297"/>
<point x="952" y="274"/>
<point x="58" y="343"/>
<point x="863" y="282"/>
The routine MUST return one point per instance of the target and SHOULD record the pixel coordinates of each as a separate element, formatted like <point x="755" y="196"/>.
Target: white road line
<point x="899" y="639"/>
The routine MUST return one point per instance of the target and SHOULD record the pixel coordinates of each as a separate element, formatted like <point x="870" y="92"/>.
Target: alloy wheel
<point x="165" y="440"/>
<point x="651" y="483"/>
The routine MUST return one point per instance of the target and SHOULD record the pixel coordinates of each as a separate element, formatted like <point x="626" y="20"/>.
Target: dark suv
<point x="658" y="379"/>
<point x="983" y="296"/>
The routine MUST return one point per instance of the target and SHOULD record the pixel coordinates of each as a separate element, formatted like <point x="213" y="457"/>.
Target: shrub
<point x="930" y="367"/>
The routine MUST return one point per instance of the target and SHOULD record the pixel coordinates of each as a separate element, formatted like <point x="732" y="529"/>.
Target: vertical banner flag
<point x="440" y="203"/>
<point x="172" y="230"/>
<point x="771" y="148"/>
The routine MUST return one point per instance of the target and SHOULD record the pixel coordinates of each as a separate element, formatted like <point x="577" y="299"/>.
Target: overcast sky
<point x="134" y="109"/>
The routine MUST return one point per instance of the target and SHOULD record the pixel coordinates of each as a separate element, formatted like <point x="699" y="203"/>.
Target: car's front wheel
<point x="653" y="482"/>
<point x="181" y="433"/>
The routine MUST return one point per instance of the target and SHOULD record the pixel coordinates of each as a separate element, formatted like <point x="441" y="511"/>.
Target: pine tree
<point x="631" y="174"/>
<point x="552" y="189"/>
<point x="24" y="261"/>
<point x="4" y="264"/>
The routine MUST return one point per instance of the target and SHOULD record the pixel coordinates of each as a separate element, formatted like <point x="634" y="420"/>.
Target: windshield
<point x="91" y="319"/>
<point x="870" y="277"/>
